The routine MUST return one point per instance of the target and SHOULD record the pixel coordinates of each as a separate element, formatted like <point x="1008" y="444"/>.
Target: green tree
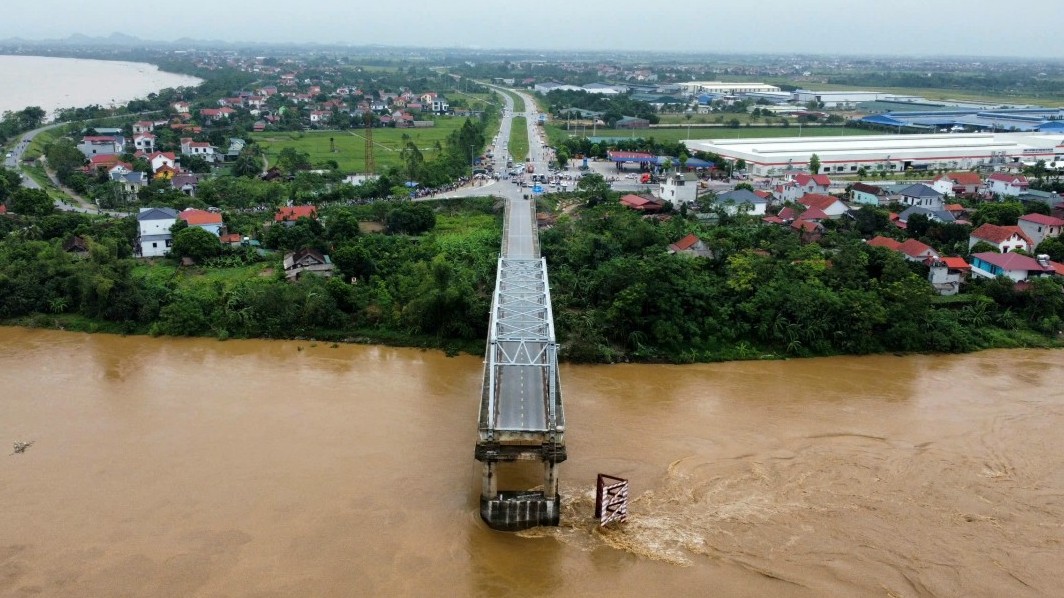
<point x="30" y="202"/>
<point x="1053" y="247"/>
<point x="814" y="164"/>
<point x="196" y="243"/>
<point x="342" y="226"/>
<point x="411" y="218"/>
<point x="290" y="160"/>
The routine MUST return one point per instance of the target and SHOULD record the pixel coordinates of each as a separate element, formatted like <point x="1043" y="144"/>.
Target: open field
<point x="351" y="145"/>
<point x="673" y="135"/>
<point x="518" y="146"/>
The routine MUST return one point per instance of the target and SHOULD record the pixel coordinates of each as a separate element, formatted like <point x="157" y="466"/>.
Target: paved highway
<point x="522" y="390"/>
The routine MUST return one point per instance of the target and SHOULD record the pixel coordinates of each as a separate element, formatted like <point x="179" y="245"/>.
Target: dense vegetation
<point x="433" y="289"/>
<point x="618" y="295"/>
<point x="613" y="106"/>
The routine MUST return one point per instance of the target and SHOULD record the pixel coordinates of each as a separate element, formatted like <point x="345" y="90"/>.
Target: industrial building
<point x="1007" y="119"/>
<point x="897" y="153"/>
<point x="847" y="99"/>
<point x="720" y="87"/>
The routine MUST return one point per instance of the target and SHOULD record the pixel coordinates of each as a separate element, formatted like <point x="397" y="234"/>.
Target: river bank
<point x="58" y="83"/>
<point x="251" y="468"/>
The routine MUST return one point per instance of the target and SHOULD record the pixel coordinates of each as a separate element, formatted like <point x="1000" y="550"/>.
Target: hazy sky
<point x="959" y="27"/>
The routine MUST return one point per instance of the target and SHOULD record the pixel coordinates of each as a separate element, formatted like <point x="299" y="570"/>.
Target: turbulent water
<point x="53" y="83"/>
<point x="163" y="467"/>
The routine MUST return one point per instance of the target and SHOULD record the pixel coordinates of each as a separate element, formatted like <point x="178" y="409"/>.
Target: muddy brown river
<point x="192" y="467"/>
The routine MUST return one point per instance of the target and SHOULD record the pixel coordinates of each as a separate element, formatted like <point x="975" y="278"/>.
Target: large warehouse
<point x="720" y="87"/>
<point x="777" y="156"/>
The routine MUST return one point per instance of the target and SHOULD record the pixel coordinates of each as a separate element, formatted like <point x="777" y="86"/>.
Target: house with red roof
<point x="831" y="206"/>
<point x="1039" y="227"/>
<point x="289" y="214"/>
<point x="813" y="183"/>
<point x="208" y="221"/>
<point x="181" y="107"/>
<point x="102" y="162"/>
<point x="144" y="142"/>
<point x="1004" y="238"/>
<point x="809" y="231"/>
<point x="96" y="145"/>
<point x="958" y="183"/>
<point x="200" y="149"/>
<point x="216" y="114"/>
<point x="947" y="274"/>
<point x="143" y="126"/>
<point x="690" y="245"/>
<point x="641" y="203"/>
<point x="1015" y="266"/>
<point x="1003" y="183"/>
<point x="912" y="249"/>
<point x="160" y="159"/>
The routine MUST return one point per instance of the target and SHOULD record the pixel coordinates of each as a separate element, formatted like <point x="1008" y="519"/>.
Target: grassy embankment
<point x="518" y="145"/>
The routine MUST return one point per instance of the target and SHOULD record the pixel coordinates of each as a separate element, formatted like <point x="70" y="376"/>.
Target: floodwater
<point x="53" y="83"/>
<point x="192" y="467"/>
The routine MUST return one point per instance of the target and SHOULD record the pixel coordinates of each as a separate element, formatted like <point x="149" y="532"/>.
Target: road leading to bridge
<point x="521" y="416"/>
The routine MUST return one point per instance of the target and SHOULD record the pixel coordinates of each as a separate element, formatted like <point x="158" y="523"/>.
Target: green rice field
<point x="350" y="145"/>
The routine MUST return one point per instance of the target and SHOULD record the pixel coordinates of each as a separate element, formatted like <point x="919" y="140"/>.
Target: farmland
<point x="350" y="146"/>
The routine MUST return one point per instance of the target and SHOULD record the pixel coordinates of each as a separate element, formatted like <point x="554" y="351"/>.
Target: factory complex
<point x="896" y="153"/>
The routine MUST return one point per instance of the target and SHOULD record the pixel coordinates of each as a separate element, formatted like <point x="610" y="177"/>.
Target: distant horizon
<point x="943" y="28"/>
<point x="99" y="41"/>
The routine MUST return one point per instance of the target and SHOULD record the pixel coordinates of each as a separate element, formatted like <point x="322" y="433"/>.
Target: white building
<point x="846" y="99"/>
<point x="896" y="153"/>
<point x="720" y="87"/>
<point x="153" y="236"/>
<point x="678" y="189"/>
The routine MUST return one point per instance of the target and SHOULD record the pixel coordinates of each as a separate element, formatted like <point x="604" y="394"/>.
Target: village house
<point x="942" y="216"/>
<point x="153" y="231"/>
<point x="691" y="246"/>
<point x="809" y="231"/>
<point x="947" y="274"/>
<point x="678" y="188"/>
<point x="1004" y="238"/>
<point x="912" y="249"/>
<point x="641" y="203"/>
<point x="96" y="145"/>
<point x="143" y="126"/>
<point x="742" y="201"/>
<point x="144" y="142"/>
<point x="216" y="114"/>
<point x="921" y="195"/>
<point x="181" y="107"/>
<point x="1015" y="266"/>
<point x="208" y="221"/>
<point x="186" y="183"/>
<point x="77" y="246"/>
<point x="830" y="205"/>
<point x="162" y="159"/>
<point x="958" y="183"/>
<point x="812" y="183"/>
<point x="307" y="261"/>
<point x="200" y="149"/>
<point x="129" y="182"/>
<point x="869" y="195"/>
<point x="1005" y="184"/>
<point x="1039" y="227"/>
<point x="288" y="215"/>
